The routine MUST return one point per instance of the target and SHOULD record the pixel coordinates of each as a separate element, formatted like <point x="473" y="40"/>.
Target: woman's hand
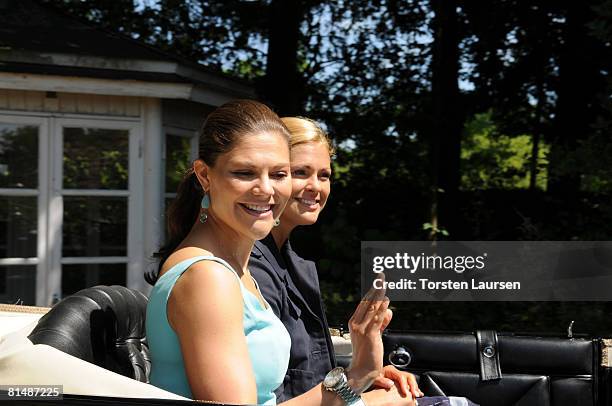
<point x="370" y="318"/>
<point x="404" y="381"/>
<point x="387" y="397"/>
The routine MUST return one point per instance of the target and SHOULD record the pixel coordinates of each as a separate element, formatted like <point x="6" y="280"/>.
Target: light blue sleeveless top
<point x="267" y="339"/>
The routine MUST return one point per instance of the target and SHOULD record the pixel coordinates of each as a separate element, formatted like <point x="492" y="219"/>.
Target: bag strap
<point x="488" y="355"/>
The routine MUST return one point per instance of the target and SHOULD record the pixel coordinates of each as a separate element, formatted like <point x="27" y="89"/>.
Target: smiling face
<point x="310" y="179"/>
<point x="250" y="185"/>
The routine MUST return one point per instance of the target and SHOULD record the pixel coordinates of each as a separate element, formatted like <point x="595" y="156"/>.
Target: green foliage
<point x="594" y="158"/>
<point x="18" y="156"/>
<point x="224" y="35"/>
<point x="178" y="151"/>
<point x="490" y="160"/>
<point x="117" y="168"/>
<point x="435" y="230"/>
<point x="95" y="159"/>
<point x="366" y="67"/>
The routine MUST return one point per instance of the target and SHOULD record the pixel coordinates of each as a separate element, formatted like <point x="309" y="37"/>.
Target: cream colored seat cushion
<point x="23" y="363"/>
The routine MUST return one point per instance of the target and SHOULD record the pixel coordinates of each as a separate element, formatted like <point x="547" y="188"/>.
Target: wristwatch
<point x="337" y="382"/>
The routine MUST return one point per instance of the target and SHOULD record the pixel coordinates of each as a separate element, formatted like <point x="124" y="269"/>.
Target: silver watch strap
<point x="342" y="388"/>
<point x="348" y="395"/>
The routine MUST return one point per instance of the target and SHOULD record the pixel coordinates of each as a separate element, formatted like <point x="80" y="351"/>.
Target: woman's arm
<point x="205" y="310"/>
<point x="370" y="318"/>
<point x="377" y="397"/>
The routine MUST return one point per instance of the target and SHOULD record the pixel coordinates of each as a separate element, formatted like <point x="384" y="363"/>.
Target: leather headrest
<point x="104" y="325"/>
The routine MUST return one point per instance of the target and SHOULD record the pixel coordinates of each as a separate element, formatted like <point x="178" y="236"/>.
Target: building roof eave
<point x="96" y="66"/>
<point x="110" y="87"/>
<point x="146" y="83"/>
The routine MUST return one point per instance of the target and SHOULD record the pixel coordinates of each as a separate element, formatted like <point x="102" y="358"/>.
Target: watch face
<point x="333" y="377"/>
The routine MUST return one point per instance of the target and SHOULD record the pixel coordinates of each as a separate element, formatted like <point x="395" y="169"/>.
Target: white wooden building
<point x="94" y="130"/>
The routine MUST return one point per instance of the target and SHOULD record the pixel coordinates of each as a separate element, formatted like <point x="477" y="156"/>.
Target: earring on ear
<point x="276" y="222"/>
<point x="204" y="206"/>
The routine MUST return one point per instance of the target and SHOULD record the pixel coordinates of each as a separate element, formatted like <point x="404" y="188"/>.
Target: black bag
<point x="494" y="369"/>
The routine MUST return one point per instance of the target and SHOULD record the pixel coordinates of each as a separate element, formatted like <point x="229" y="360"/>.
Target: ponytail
<point x="180" y="217"/>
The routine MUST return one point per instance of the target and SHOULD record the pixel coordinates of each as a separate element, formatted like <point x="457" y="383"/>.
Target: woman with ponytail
<point x="212" y="336"/>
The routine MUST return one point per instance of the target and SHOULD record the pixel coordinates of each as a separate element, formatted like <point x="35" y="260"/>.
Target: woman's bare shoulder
<point x="205" y="291"/>
<point x="181" y="255"/>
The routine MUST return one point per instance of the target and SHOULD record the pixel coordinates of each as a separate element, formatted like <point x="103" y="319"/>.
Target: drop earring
<point x="204" y="206"/>
<point x="276" y="222"/>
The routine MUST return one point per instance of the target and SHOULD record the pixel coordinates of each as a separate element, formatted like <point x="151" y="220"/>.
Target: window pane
<point x="18" y="226"/>
<point x="94" y="226"/>
<point x="77" y="277"/>
<point x="18" y="284"/>
<point x="177" y="160"/>
<point x="18" y="156"/>
<point x="95" y="158"/>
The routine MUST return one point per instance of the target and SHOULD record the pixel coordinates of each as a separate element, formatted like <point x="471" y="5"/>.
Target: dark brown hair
<point x="219" y="134"/>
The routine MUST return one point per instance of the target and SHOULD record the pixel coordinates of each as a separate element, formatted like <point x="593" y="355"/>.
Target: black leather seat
<point x="534" y="370"/>
<point x="103" y="325"/>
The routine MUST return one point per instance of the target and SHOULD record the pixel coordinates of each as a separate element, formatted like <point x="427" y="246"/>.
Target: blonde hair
<point x="304" y="130"/>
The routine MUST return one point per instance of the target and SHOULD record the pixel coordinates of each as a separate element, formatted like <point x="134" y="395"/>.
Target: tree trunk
<point x="577" y="76"/>
<point x="283" y="86"/>
<point x="537" y="133"/>
<point x="447" y="116"/>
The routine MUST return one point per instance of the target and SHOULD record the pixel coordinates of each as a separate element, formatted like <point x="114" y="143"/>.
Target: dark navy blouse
<point x="291" y="286"/>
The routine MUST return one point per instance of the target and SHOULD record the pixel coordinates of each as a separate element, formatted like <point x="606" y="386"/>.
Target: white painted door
<point x="95" y="205"/>
<point x="70" y="205"/>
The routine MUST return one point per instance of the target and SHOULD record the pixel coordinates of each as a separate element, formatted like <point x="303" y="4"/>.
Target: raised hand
<point x="370" y="318"/>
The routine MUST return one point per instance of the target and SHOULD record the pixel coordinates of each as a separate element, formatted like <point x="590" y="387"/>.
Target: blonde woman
<point x="290" y="284"/>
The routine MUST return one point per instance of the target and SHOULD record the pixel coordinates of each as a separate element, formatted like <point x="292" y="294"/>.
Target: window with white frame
<point x="95" y="207"/>
<point x="20" y="201"/>
<point x="70" y="197"/>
